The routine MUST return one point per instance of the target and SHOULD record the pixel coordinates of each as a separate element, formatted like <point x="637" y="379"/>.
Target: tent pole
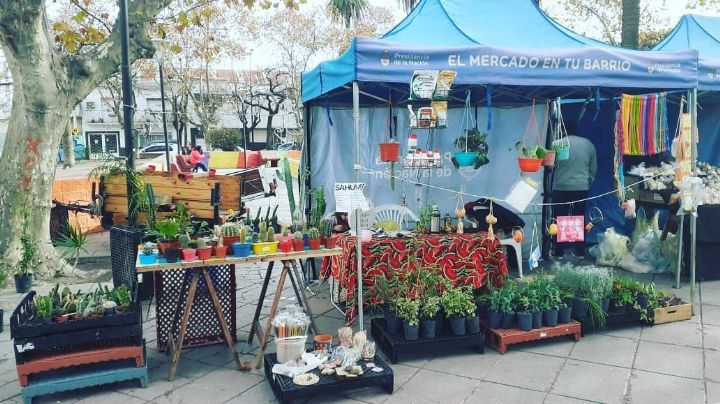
<point x="693" y="216"/>
<point x="358" y="230"/>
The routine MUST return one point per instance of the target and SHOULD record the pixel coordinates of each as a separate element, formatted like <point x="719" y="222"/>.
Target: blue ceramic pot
<point x="241" y="249"/>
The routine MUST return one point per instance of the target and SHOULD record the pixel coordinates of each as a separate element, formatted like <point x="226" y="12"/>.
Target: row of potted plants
<point x="64" y="305"/>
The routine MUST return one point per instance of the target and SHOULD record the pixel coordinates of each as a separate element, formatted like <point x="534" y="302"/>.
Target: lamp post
<point x="161" y="47"/>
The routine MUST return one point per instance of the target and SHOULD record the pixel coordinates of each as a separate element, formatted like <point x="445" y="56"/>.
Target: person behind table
<point x="196" y="159"/>
<point x="572" y="179"/>
<point x="340" y="222"/>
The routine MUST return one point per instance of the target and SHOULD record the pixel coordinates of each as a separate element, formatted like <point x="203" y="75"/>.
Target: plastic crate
<point x="171" y="291"/>
<point x="124" y="241"/>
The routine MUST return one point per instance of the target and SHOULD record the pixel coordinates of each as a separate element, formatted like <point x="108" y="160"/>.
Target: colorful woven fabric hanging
<point x="642" y="123"/>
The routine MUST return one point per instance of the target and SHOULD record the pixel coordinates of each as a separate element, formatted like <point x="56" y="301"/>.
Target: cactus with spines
<point x="285" y="231"/>
<point x="184" y="240"/>
<point x="230" y="230"/>
<point x="314" y="234"/>
<point x="243" y="234"/>
<point x="270" y="235"/>
<point x="201" y="245"/>
<point x="298" y="236"/>
<point x="325" y="228"/>
<point x="262" y="227"/>
<point x="255" y="238"/>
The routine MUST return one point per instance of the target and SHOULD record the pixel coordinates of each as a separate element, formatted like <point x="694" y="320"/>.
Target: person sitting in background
<point x="196" y="159"/>
<point x="340" y="222"/>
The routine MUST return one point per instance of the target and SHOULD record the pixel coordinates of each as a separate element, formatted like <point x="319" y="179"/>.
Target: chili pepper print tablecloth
<point x="462" y="258"/>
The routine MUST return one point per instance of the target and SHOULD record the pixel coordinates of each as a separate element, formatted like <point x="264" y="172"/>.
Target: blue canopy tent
<point x="504" y="58"/>
<point x="702" y="33"/>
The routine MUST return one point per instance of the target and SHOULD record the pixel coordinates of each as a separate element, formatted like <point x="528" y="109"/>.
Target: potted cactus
<point x="264" y="240"/>
<point x="285" y="241"/>
<point x="148" y="255"/>
<point x="187" y="251"/>
<point x="219" y="249"/>
<point x="314" y="234"/>
<point x="298" y="242"/>
<point x="242" y="247"/>
<point x="203" y="250"/>
<point x="230" y="233"/>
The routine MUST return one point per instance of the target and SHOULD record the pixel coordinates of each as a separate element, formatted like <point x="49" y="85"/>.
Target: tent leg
<point x="693" y="216"/>
<point x="680" y="252"/>
<point x="358" y="230"/>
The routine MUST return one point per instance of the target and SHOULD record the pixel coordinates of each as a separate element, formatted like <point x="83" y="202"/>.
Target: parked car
<point x="156" y="149"/>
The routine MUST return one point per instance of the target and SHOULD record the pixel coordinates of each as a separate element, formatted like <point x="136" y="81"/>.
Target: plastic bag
<point x="611" y="248"/>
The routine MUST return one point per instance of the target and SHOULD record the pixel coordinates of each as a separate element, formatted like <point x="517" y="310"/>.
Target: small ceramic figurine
<point x="345" y="337"/>
<point x="368" y="351"/>
<point x="359" y="339"/>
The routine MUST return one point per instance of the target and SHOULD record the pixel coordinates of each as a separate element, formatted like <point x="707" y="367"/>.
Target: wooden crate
<point x="671" y="314"/>
<point x="500" y="339"/>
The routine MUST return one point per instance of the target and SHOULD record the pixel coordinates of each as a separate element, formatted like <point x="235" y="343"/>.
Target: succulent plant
<point x="285" y="231"/>
<point x="148" y="248"/>
<point x="298" y="236"/>
<point x="270" y="235"/>
<point x="184" y="240"/>
<point x="256" y="238"/>
<point x="262" y="227"/>
<point x="230" y="230"/>
<point x="201" y="244"/>
<point x="243" y="233"/>
<point x="314" y="234"/>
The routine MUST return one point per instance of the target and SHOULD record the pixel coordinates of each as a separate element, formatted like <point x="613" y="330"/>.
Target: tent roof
<point x="487" y="45"/>
<point x="701" y="33"/>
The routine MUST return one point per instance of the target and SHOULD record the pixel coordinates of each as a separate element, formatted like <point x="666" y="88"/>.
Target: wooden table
<point x="200" y="268"/>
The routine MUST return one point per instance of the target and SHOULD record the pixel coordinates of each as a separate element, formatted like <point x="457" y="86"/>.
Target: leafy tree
<point x="348" y="11"/>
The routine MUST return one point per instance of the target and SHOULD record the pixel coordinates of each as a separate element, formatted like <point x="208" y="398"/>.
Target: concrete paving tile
<point x="428" y="386"/>
<point x="9" y="390"/>
<point x="157" y="387"/>
<point x="589" y="381"/>
<point x="555" y="399"/>
<point x="651" y="388"/>
<point x="259" y="393"/>
<point x="680" y="333"/>
<point x="494" y="393"/>
<point x="710" y="285"/>
<point x="330" y="399"/>
<point x="711" y="337"/>
<point x="470" y="365"/>
<point x="670" y="359"/>
<point x="710" y="314"/>
<point x="625" y="332"/>
<point x="527" y="370"/>
<point x="554" y="347"/>
<point x="713" y="393"/>
<point x="217" y="386"/>
<point x="711" y="297"/>
<point x="606" y="350"/>
<point x="377" y="394"/>
<point x="712" y="366"/>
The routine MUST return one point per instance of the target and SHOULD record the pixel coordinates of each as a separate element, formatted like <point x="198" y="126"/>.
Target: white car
<point x="157" y="149"/>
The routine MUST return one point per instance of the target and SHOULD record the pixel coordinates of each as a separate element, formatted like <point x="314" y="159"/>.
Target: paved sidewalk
<point x="671" y="363"/>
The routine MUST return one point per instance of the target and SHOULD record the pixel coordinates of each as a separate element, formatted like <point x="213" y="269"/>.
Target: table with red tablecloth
<point x="462" y="258"/>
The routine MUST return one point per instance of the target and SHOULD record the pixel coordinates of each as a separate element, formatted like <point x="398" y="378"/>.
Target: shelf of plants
<point x="65" y="335"/>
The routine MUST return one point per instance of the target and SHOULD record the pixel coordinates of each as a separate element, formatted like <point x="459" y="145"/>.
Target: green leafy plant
<point x="457" y="303"/>
<point x="122" y="297"/>
<point x="114" y="166"/>
<point x="429" y="306"/>
<point x="72" y="244"/>
<point x="537" y="152"/>
<point x="408" y="310"/>
<point x="167" y="228"/>
<point x="319" y="206"/>
<point x="588" y="281"/>
<point x="597" y="315"/>
<point x="226" y="139"/>
<point x="43" y="306"/>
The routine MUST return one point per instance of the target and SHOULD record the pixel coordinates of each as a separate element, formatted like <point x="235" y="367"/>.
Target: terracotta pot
<point x="315" y="244"/>
<point x="298" y="245"/>
<point x="331" y="242"/>
<point x="528" y="165"/>
<point x="204" y="253"/>
<point x="220" y="252"/>
<point x="228" y="241"/>
<point x="164" y="246"/>
<point x="389" y="152"/>
<point x="549" y="160"/>
<point x="286" y="246"/>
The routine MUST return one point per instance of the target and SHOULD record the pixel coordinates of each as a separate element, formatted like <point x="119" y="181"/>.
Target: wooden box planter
<point x="671" y="314"/>
<point x="500" y="339"/>
<point x="396" y="346"/>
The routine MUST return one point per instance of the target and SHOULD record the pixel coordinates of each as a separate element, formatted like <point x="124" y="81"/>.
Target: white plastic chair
<point x="396" y="213"/>
<point x="366" y="218"/>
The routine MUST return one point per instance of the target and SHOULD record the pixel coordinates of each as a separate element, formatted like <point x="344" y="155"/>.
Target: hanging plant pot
<point x="390" y="152"/>
<point x="465" y="159"/>
<point x="562" y="154"/>
<point x="549" y="160"/>
<point x="529" y="165"/>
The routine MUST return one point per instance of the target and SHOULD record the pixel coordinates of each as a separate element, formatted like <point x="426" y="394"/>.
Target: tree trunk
<point x="270" y="135"/>
<point x="631" y="24"/>
<point x="69" y="147"/>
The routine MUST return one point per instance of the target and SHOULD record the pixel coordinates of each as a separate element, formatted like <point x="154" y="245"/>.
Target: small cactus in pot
<point x="314" y="234"/>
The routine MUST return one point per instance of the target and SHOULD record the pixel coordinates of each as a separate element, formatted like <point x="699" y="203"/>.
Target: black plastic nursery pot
<point x="23" y="283"/>
<point x="391" y="320"/>
<point x="172" y="255"/>
<point x="494" y="319"/>
<point x="550" y="317"/>
<point x="457" y="324"/>
<point x="525" y="320"/>
<point x="537" y="319"/>
<point x="472" y="325"/>
<point x="482" y="310"/>
<point x="605" y="304"/>
<point x="440" y="322"/>
<point x="579" y="308"/>
<point x="643" y="301"/>
<point x="410" y="331"/>
<point x="564" y="314"/>
<point x="616" y="307"/>
<point x="507" y="320"/>
<point x="427" y="328"/>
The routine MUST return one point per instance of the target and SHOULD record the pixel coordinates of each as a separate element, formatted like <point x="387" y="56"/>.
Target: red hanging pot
<point x="390" y="152"/>
<point x="528" y="165"/>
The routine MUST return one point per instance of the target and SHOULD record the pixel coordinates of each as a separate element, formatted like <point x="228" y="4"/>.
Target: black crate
<point x="629" y="318"/>
<point x="124" y="241"/>
<point x="285" y="390"/>
<point x="171" y="291"/>
<point x="24" y="324"/>
<point x="59" y="218"/>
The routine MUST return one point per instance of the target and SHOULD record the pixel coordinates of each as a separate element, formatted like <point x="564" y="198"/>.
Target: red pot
<point x="549" y="160"/>
<point x="331" y="242"/>
<point x="227" y="241"/>
<point x="285" y="246"/>
<point x="204" y="253"/>
<point x="528" y="165"/>
<point x="220" y="252"/>
<point x="389" y="152"/>
<point x="298" y="245"/>
<point x="315" y="244"/>
<point x="164" y="246"/>
<point x="189" y="254"/>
